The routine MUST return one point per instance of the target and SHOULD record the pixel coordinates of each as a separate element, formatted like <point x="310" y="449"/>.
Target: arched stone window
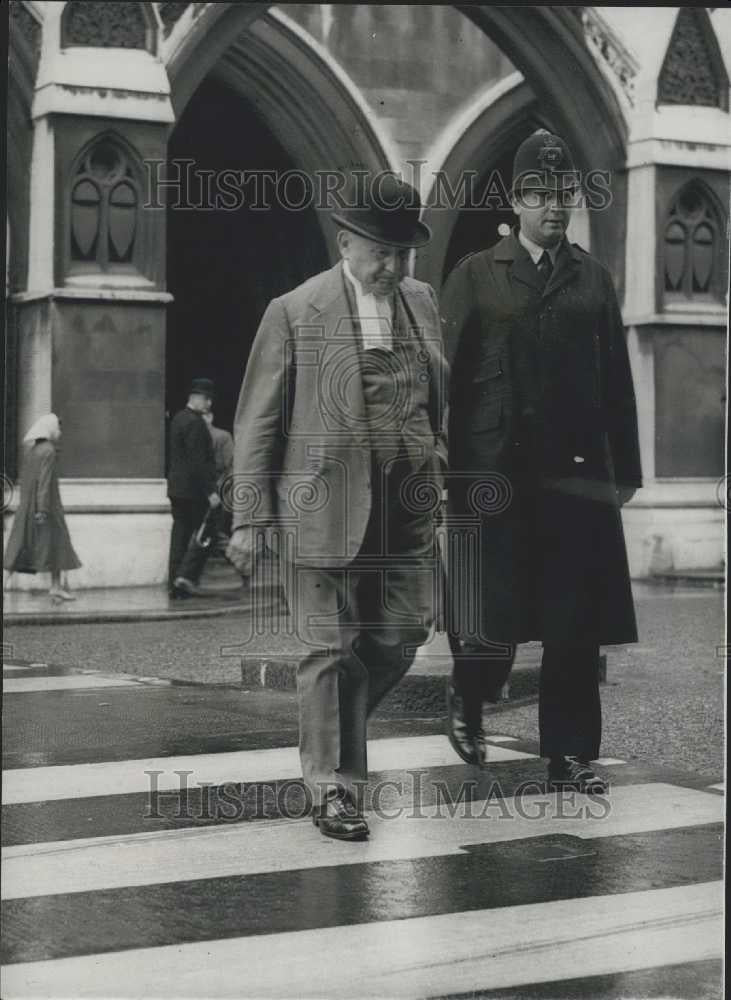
<point x="105" y="211"/>
<point x="693" y="247"/>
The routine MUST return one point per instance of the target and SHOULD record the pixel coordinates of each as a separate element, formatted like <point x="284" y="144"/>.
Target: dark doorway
<point x="477" y="228"/>
<point x="224" y="266"/>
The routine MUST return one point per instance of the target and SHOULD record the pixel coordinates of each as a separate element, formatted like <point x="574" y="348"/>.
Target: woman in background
<point x="39" y="540"/>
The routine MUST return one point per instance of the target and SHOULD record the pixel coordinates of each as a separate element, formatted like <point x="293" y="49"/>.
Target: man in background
<point x="223" y="448"/>
<point x="192" y="486"/>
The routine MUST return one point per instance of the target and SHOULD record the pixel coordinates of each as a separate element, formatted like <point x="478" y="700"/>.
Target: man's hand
<point x="625" y="494"/>
<point x="214" y="500"/>
<point x="241" y="550"/>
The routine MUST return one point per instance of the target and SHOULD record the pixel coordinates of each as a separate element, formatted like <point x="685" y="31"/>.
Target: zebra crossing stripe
<point x="454" y="952"/>
<point x="46" y="784"/>
<point x="284" y="845"/>
<point x="68" y="682"/>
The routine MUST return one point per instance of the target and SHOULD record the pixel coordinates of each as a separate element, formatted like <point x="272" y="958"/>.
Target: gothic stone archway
<point x="269" y="102"/>
<point x="563" y="90"/>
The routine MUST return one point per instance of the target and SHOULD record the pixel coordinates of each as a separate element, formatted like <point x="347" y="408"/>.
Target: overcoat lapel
<point x="566" y="269"/>
<point x="341" y="389"/>
<point x="523" y="270"/>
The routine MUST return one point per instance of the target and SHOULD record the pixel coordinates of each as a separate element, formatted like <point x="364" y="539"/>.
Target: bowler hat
<point x="202" y="386"/>
<point x="384" y="208"/>
<point x="543" y="160"/>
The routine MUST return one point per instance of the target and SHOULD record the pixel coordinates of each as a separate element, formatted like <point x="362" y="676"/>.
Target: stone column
<point x="91" y="322"/>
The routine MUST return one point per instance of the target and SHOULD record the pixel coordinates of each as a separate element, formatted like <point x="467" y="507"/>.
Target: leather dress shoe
<point x="466" y="735"/>
<point x="178" y="595"/>
<point x="338" y="817"/>
<point x="187" y="586"/>
<point x="570" y="772"/>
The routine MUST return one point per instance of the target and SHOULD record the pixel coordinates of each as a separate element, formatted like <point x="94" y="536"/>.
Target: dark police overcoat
<point x="542" y="429"/>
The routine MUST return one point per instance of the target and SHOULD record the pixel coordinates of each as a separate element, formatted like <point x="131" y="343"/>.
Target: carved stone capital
<point x="608" y="47"/>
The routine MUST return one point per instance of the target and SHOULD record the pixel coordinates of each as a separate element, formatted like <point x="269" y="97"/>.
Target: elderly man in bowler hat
<point x="338" y="445"/>
<point x="543" y="427"/>
<point x="192" y="484"/>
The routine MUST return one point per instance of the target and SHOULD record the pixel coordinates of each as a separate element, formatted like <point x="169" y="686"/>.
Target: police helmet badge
<point x="550" y="154"/>
<point x="543" y="160"/>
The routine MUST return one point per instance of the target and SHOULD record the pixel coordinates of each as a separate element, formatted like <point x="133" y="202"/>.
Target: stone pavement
<point x="224" y="644"/>
<point x="118" y="604"/>
<point x="263" y="651"/>
<point x="242" y="637"/>
<point x="225" y="593"/>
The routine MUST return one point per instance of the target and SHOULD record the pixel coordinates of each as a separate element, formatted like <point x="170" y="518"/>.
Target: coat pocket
<point x="489" y="369"/>
<point x="488" y="415"/>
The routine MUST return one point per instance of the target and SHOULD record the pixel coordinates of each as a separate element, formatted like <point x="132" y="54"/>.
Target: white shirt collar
<point x="351" y="277"/>
<point x="535" y="251"/>
<point x="375" y="314"/>
<point x="358" y="286"/>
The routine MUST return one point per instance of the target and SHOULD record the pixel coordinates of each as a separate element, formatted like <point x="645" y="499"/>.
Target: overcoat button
<point x="578" y="458"/>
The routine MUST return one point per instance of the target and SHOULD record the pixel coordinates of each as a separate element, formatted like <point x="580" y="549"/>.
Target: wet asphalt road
<point x="472" y="885"/>
<point x="663" y="703"/>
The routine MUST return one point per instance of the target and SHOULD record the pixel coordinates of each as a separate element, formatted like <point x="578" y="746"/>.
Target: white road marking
<point x="412" y="958"/>
<point x="73" y="781"/>
<point x="608" y="761"/>
<point x="67" y="682"/>
<point x="417" y="832"/>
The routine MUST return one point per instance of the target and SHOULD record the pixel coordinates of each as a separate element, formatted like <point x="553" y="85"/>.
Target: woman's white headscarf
<point x="44" y="427"/>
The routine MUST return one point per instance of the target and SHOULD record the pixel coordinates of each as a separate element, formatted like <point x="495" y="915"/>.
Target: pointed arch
<point x="479" y="141"/>
<point x="548" y="46"/>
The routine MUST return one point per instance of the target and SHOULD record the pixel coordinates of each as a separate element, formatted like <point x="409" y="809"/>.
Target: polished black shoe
<point x="570" y="772"/>
<point x="175" y="594"/>
<point x="338" y="817"/>
<point x="479" y="747"/>
<point x="466" y="735"/>
<point x="181" y="583"/>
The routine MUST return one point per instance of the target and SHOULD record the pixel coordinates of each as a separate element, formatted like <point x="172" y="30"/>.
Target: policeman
<point x="544" y="452"/>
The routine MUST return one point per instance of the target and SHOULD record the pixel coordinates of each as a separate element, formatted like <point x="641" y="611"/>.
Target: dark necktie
<point x="545" y="267"/>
